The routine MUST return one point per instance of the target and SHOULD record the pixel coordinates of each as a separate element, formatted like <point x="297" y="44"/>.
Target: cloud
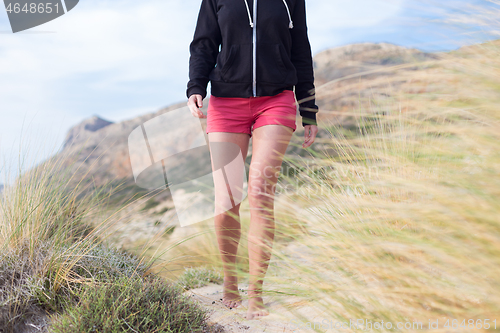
<point x="102" y="56"/>
<point x="326" y="18"/>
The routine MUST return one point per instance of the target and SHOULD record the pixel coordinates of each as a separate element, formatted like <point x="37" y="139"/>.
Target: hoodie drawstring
<point x="290" y="25"/>
<point x="249" y="17"/>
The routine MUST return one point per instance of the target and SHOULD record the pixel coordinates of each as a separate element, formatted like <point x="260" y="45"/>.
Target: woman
<point x="264" y="53"/>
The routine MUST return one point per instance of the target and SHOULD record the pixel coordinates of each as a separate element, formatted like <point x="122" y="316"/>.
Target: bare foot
<point x="231" y="298"/>
<point x="256" y="308"/>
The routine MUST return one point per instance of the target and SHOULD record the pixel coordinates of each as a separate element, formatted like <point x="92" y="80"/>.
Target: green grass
<point x="199" y="277"/>
<point x="133" y="305"/>
<point x="29" y="281"/>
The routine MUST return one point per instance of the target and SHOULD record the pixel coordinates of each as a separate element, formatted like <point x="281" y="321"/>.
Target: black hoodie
<point x="230" y="34"/>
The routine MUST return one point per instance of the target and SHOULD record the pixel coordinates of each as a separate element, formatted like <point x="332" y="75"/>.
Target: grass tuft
<point x="198" y="277"/>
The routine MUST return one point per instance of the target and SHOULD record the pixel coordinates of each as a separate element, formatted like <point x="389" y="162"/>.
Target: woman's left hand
<point x="310" y="132"/>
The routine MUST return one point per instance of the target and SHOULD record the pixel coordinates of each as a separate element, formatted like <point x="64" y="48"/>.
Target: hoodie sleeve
<point x="204" y="49"/>
<point x="302" y="60"/>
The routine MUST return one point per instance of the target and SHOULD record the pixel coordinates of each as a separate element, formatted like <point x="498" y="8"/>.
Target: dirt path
<point x="280" y="319"/>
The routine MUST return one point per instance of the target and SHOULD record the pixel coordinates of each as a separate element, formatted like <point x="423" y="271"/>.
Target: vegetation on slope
<point x="58" y="273"/>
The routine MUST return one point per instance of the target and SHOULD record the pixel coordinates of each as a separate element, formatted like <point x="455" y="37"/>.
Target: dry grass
<point x="404" y="218"/>
<point x="54" y="249"/>
<point x="398" y="218"/>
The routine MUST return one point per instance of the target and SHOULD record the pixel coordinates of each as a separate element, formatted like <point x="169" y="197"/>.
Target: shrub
<point x="28" y="280"/>
<point x="132" y="304"/>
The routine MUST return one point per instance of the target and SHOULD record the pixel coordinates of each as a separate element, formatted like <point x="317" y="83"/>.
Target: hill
<point x="102" y="146"/>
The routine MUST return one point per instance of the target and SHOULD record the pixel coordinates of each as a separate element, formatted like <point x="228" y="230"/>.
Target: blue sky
<point x="119" y="59"/>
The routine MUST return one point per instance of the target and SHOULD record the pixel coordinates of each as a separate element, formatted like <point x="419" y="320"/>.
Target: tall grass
<point x="398" y="218"/>
<point x="395" y="220"/>
<point x="57" y="266"/>
<point x="403" y="219"/>
<point x="45" y="235"/>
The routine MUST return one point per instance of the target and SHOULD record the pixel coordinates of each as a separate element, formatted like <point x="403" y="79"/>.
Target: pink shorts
<point x="243" y="115"/>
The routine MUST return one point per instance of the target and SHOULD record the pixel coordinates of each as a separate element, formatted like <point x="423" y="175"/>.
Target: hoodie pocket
<point x="237" y="67"/>
<point x="271" y="67"/>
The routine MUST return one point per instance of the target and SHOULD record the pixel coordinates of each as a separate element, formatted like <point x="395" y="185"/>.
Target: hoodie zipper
<point x="254" y="48"/>
<point x="254" y="28"/>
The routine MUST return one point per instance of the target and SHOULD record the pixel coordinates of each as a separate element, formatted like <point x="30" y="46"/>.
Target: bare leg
<point x="269" y="145"/>
<point x="227" y="224"/>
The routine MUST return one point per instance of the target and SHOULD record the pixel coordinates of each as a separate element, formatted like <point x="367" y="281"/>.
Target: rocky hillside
<point x="348" y="76"/>
<point x="353" y="59"/>
<point x="104" y="145"/>
<point x="84" y="130"/>
<point x="334" y="68"/>
<point x="345" y="78"/>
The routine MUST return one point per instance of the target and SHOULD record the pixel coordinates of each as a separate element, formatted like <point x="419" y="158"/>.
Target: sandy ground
<point x="280" y="319"/>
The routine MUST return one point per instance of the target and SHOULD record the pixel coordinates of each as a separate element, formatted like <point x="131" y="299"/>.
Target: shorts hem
<point x="224" y="130"/>
<point x="293" y="127"/>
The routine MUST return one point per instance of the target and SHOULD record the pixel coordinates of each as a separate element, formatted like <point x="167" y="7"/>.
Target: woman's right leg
<point x="227" y="223"/>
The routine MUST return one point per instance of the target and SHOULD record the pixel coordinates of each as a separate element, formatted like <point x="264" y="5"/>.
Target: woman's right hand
<point x="195" y="103"/>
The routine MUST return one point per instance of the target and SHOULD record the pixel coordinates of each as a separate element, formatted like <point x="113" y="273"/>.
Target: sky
<point x="120" y="59"/>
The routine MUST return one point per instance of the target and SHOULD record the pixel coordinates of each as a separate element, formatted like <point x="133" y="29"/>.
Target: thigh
<point x="228" y="153"/>
<point x="227" y="140"/>
<point x="269" y="144"/>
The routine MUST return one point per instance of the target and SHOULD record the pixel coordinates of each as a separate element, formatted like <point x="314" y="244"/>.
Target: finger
<point x="194" y="110"/>
<point x="199" y="104"/>
<point x="312" y="134"/>
<point x="307" y="134"/>
<point x="200" y="114"/>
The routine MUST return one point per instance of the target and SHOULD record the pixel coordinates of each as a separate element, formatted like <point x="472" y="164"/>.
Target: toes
<point x="230" y="303"/>
<point x="257" y="314"/>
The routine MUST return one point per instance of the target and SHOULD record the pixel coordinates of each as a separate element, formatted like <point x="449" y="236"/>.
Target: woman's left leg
<point x="269" y="144"/>
<point x="227" y="223"/>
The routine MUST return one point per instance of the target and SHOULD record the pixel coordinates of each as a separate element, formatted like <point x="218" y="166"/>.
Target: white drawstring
<point x="249" y="17"/>
<point x="290" y="25"/>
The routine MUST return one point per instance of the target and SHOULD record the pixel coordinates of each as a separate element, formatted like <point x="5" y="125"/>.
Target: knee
<point x="260" y="192"/>
<point x="222" y="199"/>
